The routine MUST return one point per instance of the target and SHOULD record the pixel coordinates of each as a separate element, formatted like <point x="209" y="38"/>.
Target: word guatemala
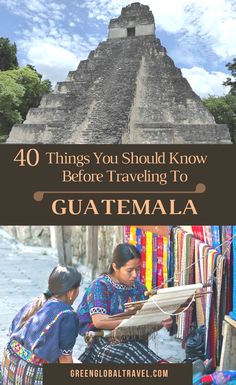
<point x="122" y="207"/>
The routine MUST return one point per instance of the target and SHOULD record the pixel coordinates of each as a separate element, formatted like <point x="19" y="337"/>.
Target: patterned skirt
<point x="131" y="352"/>
<point x="19" y="371"/>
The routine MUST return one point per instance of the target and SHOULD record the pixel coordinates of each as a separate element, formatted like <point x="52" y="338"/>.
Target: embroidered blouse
<point x="49" y="333"/>
<point x="106" y="297"/>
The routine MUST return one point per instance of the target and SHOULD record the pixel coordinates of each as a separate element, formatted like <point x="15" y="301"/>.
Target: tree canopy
<point x="33" y="85"/>
<point x="231" y="81"/>
<point x="8" y="59"/>
<point x="223" y="108"/>
<point x="20" y="89"/>
<point x="11" y="95"/>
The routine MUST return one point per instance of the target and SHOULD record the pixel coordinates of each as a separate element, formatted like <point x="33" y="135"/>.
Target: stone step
<point x="185" y="133"/>
<point x="55" y="100"/>
<point x="68" y="87"/>
<point x="166" y="125"/>
<point x="46" y="115"/>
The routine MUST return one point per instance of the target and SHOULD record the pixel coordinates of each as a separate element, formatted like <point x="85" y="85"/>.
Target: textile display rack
<point x="186" y="255"/>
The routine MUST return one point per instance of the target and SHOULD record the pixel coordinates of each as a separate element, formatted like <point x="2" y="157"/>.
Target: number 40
<point x="27" y="157"/>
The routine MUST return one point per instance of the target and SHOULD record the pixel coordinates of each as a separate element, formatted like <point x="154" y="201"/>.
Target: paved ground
<point x="24" y="273"/>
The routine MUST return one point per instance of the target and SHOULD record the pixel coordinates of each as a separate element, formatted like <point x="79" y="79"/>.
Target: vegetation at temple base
<point x="223" y="108"/>
<point x="20" y="89"/>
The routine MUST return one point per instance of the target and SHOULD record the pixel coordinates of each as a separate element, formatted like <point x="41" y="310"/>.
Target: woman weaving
<point x="106" y="296"/>
<point x="43" y="331"/>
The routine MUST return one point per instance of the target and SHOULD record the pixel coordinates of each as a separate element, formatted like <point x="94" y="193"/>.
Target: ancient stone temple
<point x="127" y="91"/>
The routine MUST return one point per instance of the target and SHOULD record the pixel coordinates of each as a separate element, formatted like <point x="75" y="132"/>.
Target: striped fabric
<point x="17" y="371"/>
<point x="130" y="352"/>
<point x="159" y="261"/>
<point x="154" y="260"/>
<point x="165" y="261"/>
<point x="148" y="275"/>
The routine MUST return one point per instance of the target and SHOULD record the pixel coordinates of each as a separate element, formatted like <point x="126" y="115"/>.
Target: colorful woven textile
<point x="155" y="256"/>
<point x="18" y="371"/>
<point x="25" y="354"/>
<point x="154" y="260"/>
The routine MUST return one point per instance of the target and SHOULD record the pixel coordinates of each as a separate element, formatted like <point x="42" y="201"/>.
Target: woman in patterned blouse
<point x="44" y="330"/>
<point x="106" y="296"/>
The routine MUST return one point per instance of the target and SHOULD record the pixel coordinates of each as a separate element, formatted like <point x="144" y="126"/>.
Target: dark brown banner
<point x="117" y="374"/>
<point x="117" y="184"/>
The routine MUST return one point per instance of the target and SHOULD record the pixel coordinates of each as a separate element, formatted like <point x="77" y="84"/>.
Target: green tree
<point x="20" y="89"/>
<point x="34" y="87"/>
<point x="8" y="59"/>
<point x="231" y="81"/>
<point x="223" y="108"/>
<point x="11" y="95"/>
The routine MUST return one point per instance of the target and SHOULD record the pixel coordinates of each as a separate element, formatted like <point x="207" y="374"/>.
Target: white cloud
<point x="52" y="61"/>
<point x="205" y="83"/>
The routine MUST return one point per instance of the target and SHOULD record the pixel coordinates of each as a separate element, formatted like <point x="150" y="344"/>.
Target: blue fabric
<point x="58" y="340"/>
<point x="106" y="297"/>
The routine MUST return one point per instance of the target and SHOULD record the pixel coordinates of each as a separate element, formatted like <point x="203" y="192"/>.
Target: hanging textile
<point x="148" y="276"/>
<point x="159" y="261"/>
<point x="226" y="250"/>
<point x="143" y="258"/>
<point x="132" y="238"/>
<point x="189" y="279"/>
<point x="198" y="232"/>
<point x="154" y="260"/>
<point x="139" y="240"/>
<point x="171" y="259"/>
<point x="207" y="235"/>
<point x="139" y="245"/>
<point x="216" y="238"/>
<point x="165" y="262"/>
<point x="127" y="234"/>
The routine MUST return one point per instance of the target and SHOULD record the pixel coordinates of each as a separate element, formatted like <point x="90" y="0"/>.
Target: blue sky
<point x="200" y="35"/>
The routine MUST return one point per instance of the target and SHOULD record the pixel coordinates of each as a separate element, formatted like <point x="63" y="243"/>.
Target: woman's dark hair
<point x="122" y="254"/>
<point x="63" y="279"/>
<point x="60" y="281"/>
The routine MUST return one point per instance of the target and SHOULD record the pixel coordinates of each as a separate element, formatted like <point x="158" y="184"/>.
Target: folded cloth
<point x="220" y="378"/>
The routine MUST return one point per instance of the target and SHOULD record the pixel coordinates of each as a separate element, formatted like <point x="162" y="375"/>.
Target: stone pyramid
<point x="127" y="91"/>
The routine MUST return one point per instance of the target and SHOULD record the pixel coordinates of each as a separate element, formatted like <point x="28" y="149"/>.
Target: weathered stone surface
<point x="136" y="19"/>
<point x="127" y="91"/>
